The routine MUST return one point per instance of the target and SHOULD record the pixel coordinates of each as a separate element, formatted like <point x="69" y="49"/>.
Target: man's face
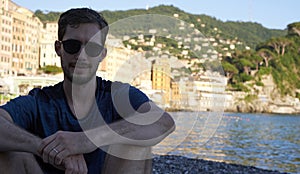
<point x="81" y="51"/>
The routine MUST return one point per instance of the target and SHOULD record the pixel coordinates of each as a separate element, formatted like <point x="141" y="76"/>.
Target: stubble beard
<point x="79" y="79"/>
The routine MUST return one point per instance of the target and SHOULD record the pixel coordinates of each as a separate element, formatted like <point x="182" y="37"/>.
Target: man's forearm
<point x="124" y="132"/>
<point x="13" y="138"/>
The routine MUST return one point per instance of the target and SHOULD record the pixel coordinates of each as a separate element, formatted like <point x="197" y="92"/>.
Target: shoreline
<point x="232" y="111"/>
<point x="171" y="164"/>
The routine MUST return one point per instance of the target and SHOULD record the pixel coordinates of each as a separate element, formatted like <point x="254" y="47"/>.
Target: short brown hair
<point x="76" y="16"/>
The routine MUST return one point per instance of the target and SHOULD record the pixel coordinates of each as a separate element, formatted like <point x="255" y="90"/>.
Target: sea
<point x="267" y="141"/>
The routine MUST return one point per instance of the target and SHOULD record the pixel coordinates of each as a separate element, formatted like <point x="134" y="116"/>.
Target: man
<point x="67" y="127"/>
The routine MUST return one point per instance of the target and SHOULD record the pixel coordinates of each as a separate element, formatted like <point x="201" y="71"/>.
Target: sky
<point x="272" y="14"/>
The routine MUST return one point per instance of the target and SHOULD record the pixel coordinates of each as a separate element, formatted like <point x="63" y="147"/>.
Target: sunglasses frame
<point x="89" y="47"/>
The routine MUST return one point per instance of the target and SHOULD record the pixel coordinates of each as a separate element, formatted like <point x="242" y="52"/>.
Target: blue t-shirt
<point x="45" y="111"/>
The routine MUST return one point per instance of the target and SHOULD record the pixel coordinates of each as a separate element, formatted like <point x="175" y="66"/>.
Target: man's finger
<point x="45" y="142"/>
<point x="61" y="156"/>
<point x="82" y="166"/>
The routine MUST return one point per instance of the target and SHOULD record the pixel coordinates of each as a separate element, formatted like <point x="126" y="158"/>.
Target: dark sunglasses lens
<point x="93" y="49"/>
<point x="71" y="46"/>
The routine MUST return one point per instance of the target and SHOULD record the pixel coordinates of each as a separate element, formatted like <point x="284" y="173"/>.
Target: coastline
<point x="169" y="164"/>
<point x="249" y="111"/>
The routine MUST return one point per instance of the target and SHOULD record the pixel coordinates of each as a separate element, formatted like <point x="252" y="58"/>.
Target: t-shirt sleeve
<point x="137" y="97"/>
<point x="22" y="110"/>
<point x="127" y="99"/>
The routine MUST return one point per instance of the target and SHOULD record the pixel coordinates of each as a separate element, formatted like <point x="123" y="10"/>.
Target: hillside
<point x="249" y="33"/>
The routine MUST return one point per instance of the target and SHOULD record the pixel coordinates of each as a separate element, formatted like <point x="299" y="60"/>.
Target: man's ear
<point x="57" y="46"/>
<point x="103" y="54"/>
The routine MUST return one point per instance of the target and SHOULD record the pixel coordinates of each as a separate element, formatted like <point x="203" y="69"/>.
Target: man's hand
<point x="57" y="147"/>
<point x="75" y="164"/>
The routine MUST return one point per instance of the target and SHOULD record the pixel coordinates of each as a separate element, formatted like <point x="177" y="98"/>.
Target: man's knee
<point x="18" y="162"/>
<point x="129" y="159"/>
<point x="130" y="152"/>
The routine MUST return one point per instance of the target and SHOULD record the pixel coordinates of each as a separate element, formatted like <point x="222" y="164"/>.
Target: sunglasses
<point x="73" y="46"/>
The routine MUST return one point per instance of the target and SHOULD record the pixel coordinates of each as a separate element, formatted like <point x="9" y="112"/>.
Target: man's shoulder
<point x="115" y="86"/>
<point x="48" y="91"/>
<point x="103" y="84"/>
<point x="110" y="86"/>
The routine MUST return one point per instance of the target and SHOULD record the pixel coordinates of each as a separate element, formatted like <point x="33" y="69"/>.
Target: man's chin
<point x="81" y="71"/>
<point x="79" y="80"/>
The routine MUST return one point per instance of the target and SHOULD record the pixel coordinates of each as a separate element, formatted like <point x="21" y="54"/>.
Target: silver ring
<point x="56" y="151"/>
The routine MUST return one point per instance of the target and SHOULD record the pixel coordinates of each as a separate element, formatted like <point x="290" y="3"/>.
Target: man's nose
<point x="82" y="53"/>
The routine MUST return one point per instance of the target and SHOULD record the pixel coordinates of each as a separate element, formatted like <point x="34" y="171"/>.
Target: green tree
<point x="229" y="70"/>
<point x="279" y="44"/>
<point x="294" y="29"/>
<point x="246" y="65"/>
<point x="266" y="54"/>
<point x="256" y="60"/>
<point x="51" y="69"/>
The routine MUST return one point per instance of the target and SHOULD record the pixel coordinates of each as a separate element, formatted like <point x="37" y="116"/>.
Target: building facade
<point x="20" y="35"/>
<point x="47" y="51"/>
<point x="6" y="22"/>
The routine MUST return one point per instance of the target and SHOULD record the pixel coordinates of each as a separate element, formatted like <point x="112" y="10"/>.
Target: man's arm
<point x="124" y="132"/>
<point x="120" y="132"/>
<point x="13" y="138"/>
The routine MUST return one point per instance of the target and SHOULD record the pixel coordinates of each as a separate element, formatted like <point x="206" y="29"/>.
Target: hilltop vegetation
<point x="248" y="32"/>
<point x="277" y="56"/>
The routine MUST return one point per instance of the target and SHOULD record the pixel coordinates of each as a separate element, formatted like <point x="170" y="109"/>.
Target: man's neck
<point x="80" y="97"/>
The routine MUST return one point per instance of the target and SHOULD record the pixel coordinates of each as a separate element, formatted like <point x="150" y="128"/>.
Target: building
<point x="175" y="102"/>
<point x="47" y="51"/>
<point x="161" y="77"/>
<point x="6" y="39"/>
<point x="123" y="64"/>
<point x="210" y="92"/>
<point x="21" y="85"/>
<point x="6" y="21"/>
<point x="20" y="33"/>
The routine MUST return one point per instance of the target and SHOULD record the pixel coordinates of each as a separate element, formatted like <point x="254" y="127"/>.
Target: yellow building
<point x="175" y="102"/>
<point x="22" y="30"/>
<point x="161" y="78"/>
<point x="6" y="38"/>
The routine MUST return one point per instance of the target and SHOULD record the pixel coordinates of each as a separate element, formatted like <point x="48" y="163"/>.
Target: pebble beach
<point x="182" y="165"/>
